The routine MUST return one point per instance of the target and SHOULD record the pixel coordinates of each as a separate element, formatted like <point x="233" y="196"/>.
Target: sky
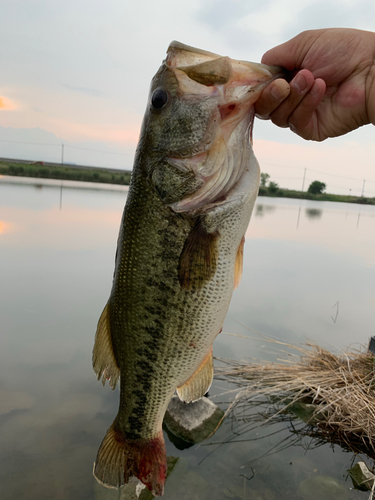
<point x="74" y="79"/>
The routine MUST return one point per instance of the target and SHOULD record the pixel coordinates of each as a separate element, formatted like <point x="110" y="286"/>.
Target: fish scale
<point x="179" y="252"/>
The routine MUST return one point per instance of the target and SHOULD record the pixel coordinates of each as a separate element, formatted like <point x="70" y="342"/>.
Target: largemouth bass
<point x="179" y="253"/>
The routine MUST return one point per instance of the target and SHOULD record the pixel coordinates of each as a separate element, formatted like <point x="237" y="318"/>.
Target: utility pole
<point x="303" y="182"/>
<point x="363" y="187"/>
<point x="62" y="153"/>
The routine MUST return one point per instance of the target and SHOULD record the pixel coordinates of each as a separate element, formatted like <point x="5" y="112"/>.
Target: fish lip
<point x="187" y="55"/>
<point x="176" y="46"/>
<point x="180" y="55"/>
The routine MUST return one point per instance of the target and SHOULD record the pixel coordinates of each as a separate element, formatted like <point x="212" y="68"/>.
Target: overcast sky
<point x="78" y="72"/>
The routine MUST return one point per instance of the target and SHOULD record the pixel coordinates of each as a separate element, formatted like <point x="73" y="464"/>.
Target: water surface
<point x="309" y="274"/>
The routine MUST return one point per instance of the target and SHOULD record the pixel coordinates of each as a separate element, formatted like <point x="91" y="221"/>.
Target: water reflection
<point x="57" y="249"/>
<point x="261" y="210"/>
<point x="313" y="213"/>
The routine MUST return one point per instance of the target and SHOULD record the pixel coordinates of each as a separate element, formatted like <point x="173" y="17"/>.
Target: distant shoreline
<point x="303" y="195"/>
<point x="44" y="170"/>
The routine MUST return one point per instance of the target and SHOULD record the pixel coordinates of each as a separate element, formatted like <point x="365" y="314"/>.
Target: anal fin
<point x="198" y="259"/>
<point x="103" y="358"/>
<point x="238" y="266"/>
<point x="199" y="383"/>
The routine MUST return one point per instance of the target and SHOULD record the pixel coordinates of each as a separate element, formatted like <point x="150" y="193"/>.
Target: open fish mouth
<point x="222" y="155"/>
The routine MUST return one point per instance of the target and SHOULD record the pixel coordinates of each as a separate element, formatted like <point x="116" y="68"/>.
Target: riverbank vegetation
<point x="64" y="172"/>
<point x="290" y="193"/>
<point x="314" y="192"/>
<point x="111" y="176"/>
<point x="332" y="393"/>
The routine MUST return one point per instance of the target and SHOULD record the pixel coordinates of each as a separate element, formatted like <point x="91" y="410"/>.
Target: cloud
<point x="84" y="90"/>
<point x="7" y="104"/>
<point x="128" y="135"/>
<point x="226" y="19"/>
<point x="4" y="226"/>
<point x="334" y="13"/>
<point x="221" y="13"/>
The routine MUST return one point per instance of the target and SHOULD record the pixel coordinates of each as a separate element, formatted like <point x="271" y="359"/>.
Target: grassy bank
<point x="62" y="172"/>
<point x="289" y="193"/>
<point x="108" y="176"/>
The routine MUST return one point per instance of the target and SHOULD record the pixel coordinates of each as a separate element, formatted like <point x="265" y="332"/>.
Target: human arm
<point x="337" y="67"/>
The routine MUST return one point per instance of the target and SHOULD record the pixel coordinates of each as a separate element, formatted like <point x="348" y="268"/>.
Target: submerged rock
<point x="307" y="412"/>
<point x="362" y="478"/>
<point x="192" y="422"/>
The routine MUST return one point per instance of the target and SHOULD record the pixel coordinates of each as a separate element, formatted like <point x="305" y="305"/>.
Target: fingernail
<point x="276" y="93"/>
<point x="300" y="82"/>
<point x="315" y="90"/>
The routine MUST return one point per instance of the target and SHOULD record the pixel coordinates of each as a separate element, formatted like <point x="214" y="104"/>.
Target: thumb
<point x="291" y="54"/>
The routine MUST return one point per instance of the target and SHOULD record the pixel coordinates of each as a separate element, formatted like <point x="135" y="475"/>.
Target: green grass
<point x="62" y="172"/>
<point x="289" y="193"/>
<point x="38" y="170"/>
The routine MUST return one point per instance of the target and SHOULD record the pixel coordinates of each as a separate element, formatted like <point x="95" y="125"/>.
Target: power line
<point x="318" y="171"/>
<point x="286" y="177"/>
<point x="32" y="143"/>
<point x="342" y="176"/>
<point x="263" y="163"/>
<point x="67" y="146"/>
<point x="281" y="166"/>
<point x="98" y="150"/>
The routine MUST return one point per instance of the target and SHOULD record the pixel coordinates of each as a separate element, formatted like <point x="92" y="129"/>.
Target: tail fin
<point x="120" y="458"/>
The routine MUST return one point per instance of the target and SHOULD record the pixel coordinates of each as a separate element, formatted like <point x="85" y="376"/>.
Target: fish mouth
<point x="221" y="161"/>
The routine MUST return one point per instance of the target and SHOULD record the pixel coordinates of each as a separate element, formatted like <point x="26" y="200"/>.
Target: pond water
<point x="309" y="274"/>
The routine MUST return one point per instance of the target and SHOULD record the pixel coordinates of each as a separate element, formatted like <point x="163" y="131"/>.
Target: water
<point x="309" y="272"/>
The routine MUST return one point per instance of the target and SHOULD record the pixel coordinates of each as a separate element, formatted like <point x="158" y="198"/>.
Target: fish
<point x="179" y="251"/>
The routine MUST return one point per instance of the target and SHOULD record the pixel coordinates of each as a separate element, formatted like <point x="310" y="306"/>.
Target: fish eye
<point x="159" y="99"/>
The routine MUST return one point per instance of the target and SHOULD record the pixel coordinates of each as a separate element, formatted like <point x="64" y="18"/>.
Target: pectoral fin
<point x="198" y="259"/>
<point x="103" y="358"/>
<point x="199" y="383"/>
<point x="238" y="266"/>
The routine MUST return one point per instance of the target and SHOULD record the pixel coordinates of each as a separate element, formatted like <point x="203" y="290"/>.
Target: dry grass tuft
<point x="341" y="387"/>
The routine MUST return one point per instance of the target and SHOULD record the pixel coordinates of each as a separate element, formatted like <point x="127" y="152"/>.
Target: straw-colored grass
<point x="341" y="386"/>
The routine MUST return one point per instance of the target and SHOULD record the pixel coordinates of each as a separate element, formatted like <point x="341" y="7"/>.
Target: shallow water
<point x="309" y="273"/>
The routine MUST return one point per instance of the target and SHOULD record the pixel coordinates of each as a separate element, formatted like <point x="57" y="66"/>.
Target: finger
<point x="299" y="87"/>
<point x="271" y="97"/>
<point x="304" y="120"/>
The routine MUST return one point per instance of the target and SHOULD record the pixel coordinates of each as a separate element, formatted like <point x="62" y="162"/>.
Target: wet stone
<point x="362" y="478"/>
<point x="192" y="422"/>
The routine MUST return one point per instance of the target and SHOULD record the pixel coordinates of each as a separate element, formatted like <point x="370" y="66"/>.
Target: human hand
<point x="333" y="91"/>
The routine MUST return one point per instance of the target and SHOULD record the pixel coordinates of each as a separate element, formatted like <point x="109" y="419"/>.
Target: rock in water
<point x="192" y="422"/>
